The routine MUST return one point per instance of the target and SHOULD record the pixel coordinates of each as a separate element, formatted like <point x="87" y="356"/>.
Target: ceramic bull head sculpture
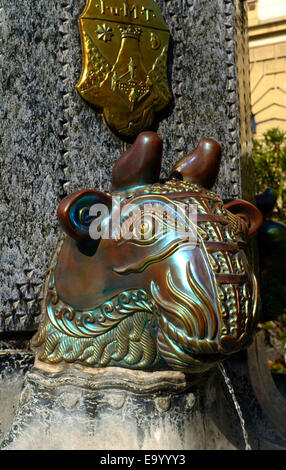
<point x="163" y="287"/>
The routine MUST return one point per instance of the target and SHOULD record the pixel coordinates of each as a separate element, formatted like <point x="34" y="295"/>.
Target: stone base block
<point x="112" y="409"/>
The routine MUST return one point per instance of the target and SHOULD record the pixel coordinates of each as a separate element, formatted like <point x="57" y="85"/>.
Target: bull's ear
<point x="201" y="166"/>
<point x="248" y="212"/>
<point x="140" y="164"/>
<point x="75" y="212"/>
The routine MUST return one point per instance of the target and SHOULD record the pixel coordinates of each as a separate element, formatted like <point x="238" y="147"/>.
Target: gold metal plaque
<point x="125" y="47"/>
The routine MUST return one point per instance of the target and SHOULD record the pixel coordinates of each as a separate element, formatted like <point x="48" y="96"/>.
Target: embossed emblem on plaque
<point x="125" y="47"/>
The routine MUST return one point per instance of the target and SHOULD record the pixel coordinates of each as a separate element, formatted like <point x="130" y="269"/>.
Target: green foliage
<point x="270" y="167"/>
<point x="277" y="367"/>
<point x="275" y="337"/>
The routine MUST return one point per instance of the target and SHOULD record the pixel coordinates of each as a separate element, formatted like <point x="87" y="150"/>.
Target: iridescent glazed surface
<point x="152" y="302"/>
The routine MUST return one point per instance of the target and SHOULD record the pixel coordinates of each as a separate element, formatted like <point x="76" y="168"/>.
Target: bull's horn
<point x="140" y="164"/>
<point x="201" y="166"/>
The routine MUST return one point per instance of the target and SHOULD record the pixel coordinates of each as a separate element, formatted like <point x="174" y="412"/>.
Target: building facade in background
<point x="267" y="46"/>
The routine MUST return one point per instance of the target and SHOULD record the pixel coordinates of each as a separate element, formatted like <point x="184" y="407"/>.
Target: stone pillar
<point x="53" y="144"/>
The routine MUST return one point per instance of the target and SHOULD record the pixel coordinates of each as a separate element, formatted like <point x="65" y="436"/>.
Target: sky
<point x="268" y="9"/>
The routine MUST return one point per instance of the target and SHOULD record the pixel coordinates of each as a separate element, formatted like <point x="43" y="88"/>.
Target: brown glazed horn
<point x="140" y="164"/>
<point x="201" y="166"/>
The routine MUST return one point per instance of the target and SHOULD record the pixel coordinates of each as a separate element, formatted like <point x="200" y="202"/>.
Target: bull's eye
<point x="143" y="230"/>
<point x="144" y="227"/>
<point x="148" y="223"/>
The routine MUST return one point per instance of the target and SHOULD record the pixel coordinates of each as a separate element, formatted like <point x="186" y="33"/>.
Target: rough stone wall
<point x="53" y="143"/>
